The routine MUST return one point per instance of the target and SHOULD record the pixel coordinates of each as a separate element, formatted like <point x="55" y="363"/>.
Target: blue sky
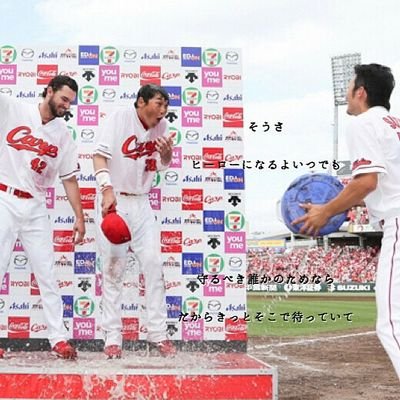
<point x="286" y="44"/>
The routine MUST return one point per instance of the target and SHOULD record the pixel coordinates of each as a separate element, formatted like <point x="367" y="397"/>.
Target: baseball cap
<point x="115" y="228"/>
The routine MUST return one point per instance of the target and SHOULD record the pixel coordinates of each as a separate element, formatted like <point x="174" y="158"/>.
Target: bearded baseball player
<point x="374" y="144"/>
<point x="132" y="146"/>
<point x="35" y="148"/>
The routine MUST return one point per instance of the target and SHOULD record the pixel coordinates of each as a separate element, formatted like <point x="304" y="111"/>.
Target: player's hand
<point x="164" y="146"/>
<point x="108" y="202"/>
<point x="79" y="230"/>
<point x="313" y="220"/>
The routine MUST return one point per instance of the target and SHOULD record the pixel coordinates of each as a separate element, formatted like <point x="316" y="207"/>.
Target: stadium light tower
<point x="342" y="73"/>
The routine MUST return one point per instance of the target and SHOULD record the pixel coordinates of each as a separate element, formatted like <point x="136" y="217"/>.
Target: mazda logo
<point x="192" y="135"/>
<point x="109" y="94"/>
<point x="171" y="176"/>
<point x="6" y="90"/>
<point x="130" y="54"/>
<point x="232" y="56"/>
<point x="27" y="53"/>
<point x="87" y="133"/>
<point x="20" y="260"/>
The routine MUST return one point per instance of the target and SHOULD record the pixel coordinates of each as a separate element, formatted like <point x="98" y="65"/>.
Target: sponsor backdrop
<point x="199" y="201"/>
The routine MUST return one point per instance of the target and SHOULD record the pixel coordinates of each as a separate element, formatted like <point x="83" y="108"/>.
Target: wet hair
<point x="378" y="82"/>
<point x="59" y="81"/>
<point x="147" y="92"/>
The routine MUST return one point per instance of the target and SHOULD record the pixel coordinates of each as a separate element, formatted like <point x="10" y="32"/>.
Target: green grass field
<point x="300" y="310"/>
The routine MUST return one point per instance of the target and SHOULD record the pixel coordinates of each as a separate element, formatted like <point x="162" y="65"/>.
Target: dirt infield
<point x="344" y="366"/>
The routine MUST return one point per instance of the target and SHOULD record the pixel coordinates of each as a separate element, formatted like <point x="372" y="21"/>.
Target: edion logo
<point x="88" y="196"/>
<point x="232" y="117"/>
<point x="192" y="199"/>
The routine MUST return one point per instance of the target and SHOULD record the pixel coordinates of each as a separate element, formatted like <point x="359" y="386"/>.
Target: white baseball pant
<point x="28" y="219"/>
<point x="138" y="214"/>
<point x="388" y="291"/>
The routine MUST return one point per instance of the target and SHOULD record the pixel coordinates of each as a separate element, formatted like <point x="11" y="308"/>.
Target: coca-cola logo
<point x="88" y="197"/>
<point x="63" y="239"/>
<point x="20" y="138"/>
<point x="213" y="156"/>
<point x="171" y="240"/>
<point x="233" y="116"/>
<point x="46" y="74"/>
<point x="236" y="328"/>
<point x="194" y="198"/>
<point x="18" y="326"/>
<point x="150" y="74"/>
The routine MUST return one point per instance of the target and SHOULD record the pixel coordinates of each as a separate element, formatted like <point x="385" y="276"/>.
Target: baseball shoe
<point x="113" y="351"/>
<point x="64" y="350"/>
<point x="2" y="352"/>
<point x="166" y="348"/>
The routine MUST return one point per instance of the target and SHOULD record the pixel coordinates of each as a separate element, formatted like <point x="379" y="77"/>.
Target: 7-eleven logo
<point x="84" y="306"/>
<point x="211" y="57"/>
<point x="234" y="221"/>
<point x="214" y="263"/>
<point x="191" y="96"/>
<point x="88" y="95"/>
<point x="7" y="54"/>
<point x="192" y="306"/>
<point x="176" y="135"/>
<point x="109" y="55"/>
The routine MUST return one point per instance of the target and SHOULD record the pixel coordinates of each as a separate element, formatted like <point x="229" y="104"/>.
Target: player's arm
<point x="103" y="180"/>
<point x="74" y="197"/>
<point x="318" y="215"/>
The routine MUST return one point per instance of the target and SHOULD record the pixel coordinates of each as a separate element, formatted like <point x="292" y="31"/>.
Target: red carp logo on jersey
<point x="132" y="149"/>
<point x="358" y="163"/>
<point x="21" y="139"/>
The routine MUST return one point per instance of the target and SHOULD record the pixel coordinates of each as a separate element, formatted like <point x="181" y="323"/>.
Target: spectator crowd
<point x="342" y="263"/>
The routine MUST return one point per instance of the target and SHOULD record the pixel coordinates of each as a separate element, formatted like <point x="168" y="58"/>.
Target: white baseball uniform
<point x="133" y="161"/>
<point x="31" y="156"/>
<point x="374" y="145"/>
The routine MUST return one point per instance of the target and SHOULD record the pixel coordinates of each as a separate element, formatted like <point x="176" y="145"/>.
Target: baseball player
<point x="133" y="145"/>
<point x="35" y="147"/>
<point x="374" y="145"/>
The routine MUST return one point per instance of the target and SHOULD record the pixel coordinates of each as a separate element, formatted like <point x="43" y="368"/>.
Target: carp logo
<point x="109" y="55"/>
<point x="359" y="163"/>
<point x="211" y="57"/>
<point x="140" y="149"/>
<point x="88" y="95"/>
<point x="7" y="54"/>
<point x="20" y="138"/>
